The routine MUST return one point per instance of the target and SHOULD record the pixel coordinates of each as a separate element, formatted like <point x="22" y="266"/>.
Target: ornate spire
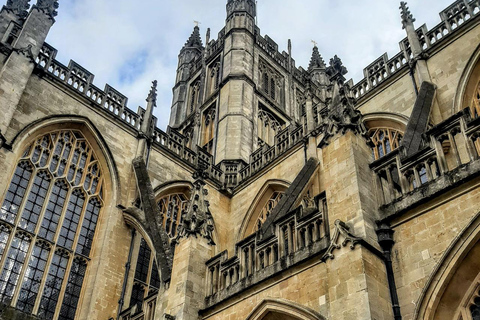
<point x="18" y="7"/>
<point x="152" y="96"/>
<point x="195" y="40"/>
<point x="48" y="6"/>
<point x="316" y="61"/>
<point x="197" y="219"/>
<point x="407" y="17"/>
<point x="336" y="70"/>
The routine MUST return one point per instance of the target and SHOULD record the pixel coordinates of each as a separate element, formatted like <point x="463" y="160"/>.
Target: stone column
<point x="357" y="279"/>
<point x="188" y="290"/>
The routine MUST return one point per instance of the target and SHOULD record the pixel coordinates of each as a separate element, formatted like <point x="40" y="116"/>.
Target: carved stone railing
<point x="453" y="18"/>
<point x="145" y="311"/>
<point x="81" y="81"/>
<point x="300" y="235"/>
<point x="447" y="147"/>
<point x="271" y="48"/>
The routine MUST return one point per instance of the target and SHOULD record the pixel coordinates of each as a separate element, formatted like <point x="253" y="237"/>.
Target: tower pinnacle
<point x="248" y="6"/>
<point x="407" y="17"/>
<point x="152" y="96"/>
<point x="316" y="61"/>
<point x="19" y="7"/>
<point x="195" y="40"/>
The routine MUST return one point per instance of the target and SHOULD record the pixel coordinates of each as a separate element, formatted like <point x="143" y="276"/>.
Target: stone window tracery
<point x="171" y="207"/>
<point x="214" y="81"/>
<point x="267" y="127"/>
<point x="208" y="129"/>
<point x="475" y="104"/>
<point x="271" y="82"/>
<point x="194" y="95"/>
<point x="385" y="140"/>
<point x="268" y="208"/>
<point x="48" y="219"/>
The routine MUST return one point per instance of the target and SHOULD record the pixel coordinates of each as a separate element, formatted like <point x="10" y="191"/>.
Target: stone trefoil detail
<point x="197" y="219"/>
<point x="341" y="229"/>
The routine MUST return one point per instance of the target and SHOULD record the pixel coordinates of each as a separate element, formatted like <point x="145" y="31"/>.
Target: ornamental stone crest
<point x="341" y="230"/>
<point x="197" y="219"/>
<point x="18" y="7"/>
<point x="48" y="6"/>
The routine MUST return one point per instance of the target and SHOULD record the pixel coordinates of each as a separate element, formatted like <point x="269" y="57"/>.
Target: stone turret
<point x="241" y="14"/>
<point x="191" y="51"/>
<point x="317" y="67"/>
<point x="24" y="36"/>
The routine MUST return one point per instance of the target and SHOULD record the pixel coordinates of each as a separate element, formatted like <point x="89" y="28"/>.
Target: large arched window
<point x="171" y="207"/>
<point x="475" y="104"/>
<point x="48" y="219"/>
<point x="268" y="208"/>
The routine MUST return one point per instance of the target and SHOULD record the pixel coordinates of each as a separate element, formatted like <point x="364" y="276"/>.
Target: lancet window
<point x="208" y="129"/>
<point x="271" y="82"/>
<point x="214" y="81"/>
<point x="475" y="104"/>
<point x="48" y="219"/>
<point x="194" y="95"/>
<point x="146" y="279"/>
<point x="267" y="127"/>
<point x="268" y="208"/>
<point x="385" y="140"/>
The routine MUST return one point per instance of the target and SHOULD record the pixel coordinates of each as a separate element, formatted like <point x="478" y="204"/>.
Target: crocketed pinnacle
<point x="195" y="40"/>
<point x="18" y="7"/>
<point x="152" y="96"/>
<point x="407" y="16"/>
<point x="316" y="61"/>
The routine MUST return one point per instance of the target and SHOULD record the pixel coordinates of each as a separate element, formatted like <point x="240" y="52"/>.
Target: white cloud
<point x="130" y="43"/>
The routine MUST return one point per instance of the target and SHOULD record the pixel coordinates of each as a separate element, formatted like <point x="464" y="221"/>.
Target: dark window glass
<point x="475" y="309"/>
<point x="13" y="267"/>
<point x="53" y="211"/>
<point x="71" y="220"/>
<point x="33" y="277"/>
<point x="155" y="277"/>
<point x="16" y="192"/>
<point x="50" y="295"/>
<point x="138" y="292"/>
<point x="88" y="227"/>
<point x="72" y="292"/>
<point x="144" y="253"/>
<point x="35" y="201"/>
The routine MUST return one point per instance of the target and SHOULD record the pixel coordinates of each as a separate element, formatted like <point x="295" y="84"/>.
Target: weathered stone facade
<point x="275" y="193"/>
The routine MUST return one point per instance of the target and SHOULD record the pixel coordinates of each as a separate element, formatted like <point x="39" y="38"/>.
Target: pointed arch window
<point x="208" y="129"/>
<point x="267" y="127"/>
<point x="385" y="140"/>
<point x="268" y="208"/>
<point x="171" y="207"/>
<point x="475" y="104"/>
<point x="48" y="217"/>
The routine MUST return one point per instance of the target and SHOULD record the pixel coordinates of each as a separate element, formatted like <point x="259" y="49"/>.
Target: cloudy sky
<point x="129" y="43"/>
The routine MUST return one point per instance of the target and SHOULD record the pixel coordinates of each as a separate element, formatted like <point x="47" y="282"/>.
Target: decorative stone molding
<point x="341" y="229"/>
<point x="27" y="52"/>
<point x="197" y="219"/>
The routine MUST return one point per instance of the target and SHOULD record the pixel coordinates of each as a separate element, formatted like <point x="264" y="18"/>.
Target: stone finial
<point x="195" y="40"/>
<point x="336" y="70"/>
<point x="18" y="7"/>
<point x="316" y="61"/>
<point x="48" y="6"/>
<point x="152" y="96"/>
<point x="197" y="219"/>
<point x="407" y="17"/>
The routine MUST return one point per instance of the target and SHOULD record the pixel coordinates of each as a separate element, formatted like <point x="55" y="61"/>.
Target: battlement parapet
<point x="454" y="18"/>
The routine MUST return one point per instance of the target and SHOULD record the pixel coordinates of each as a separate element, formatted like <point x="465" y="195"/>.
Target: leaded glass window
<point x="385" y="141"/>
<point x="48" y="219"/>
<point x="171" y="207"/>
<point x="268" y="208"/>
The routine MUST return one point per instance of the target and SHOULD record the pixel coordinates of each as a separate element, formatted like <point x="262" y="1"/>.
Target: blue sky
<point x="129" y="43"/>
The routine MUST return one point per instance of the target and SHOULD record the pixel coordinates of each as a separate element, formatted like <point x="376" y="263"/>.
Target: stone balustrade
<point x="145" y="311"/>
<point x="453" y="18"/>
<point x="447" y="148"/>
<point x="301" y="234"/>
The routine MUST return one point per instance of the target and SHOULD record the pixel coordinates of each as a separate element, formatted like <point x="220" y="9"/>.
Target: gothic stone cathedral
<point x="277" y="192"/>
